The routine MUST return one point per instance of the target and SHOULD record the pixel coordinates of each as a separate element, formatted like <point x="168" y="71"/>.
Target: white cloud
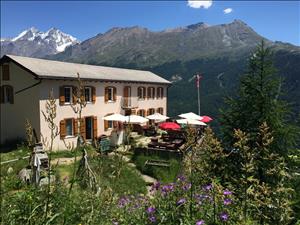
<point x="227" y="11"/>
<point x="199" y="4"/>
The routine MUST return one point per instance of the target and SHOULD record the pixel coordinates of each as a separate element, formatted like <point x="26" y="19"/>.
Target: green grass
<point x="163" y="174"/>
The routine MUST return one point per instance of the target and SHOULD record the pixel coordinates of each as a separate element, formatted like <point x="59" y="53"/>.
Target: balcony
<point x="129" y="102"/>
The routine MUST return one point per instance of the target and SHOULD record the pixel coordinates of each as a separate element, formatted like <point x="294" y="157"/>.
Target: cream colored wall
<point x="99" y="109"/>
<point x="25" y="105"/>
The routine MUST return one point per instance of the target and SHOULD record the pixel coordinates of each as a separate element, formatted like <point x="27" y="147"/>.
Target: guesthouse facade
<point x="26" y="84"/>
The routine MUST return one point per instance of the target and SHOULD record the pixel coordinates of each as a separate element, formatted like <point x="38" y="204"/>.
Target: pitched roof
<point x="50" y="69"/>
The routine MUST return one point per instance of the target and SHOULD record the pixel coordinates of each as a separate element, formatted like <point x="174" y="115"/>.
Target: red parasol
<point x="206" y="119"/>
<point x="169" y="126"/>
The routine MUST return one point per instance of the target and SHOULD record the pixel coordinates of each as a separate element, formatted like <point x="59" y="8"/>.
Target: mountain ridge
<point x="35" y="43"/>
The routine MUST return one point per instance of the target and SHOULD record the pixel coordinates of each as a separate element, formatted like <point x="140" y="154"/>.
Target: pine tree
<point x="258" y="100"/>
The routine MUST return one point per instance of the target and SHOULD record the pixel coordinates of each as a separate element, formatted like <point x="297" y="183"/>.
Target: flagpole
<point x="199" y="99"/>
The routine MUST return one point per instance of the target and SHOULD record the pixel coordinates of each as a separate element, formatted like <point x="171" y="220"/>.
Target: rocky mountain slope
<point x="34" y="43"/>
<point x="219" y="52"/>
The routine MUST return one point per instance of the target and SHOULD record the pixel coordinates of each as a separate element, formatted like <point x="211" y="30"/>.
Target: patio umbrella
<point x="135" y="119"/>
<point x="191" y="116"/>
<point x="169" y="126"/>
<point x="191" y="122"/>
<point x="115" y="117"/>
<point x="157" y="116"/>
<point x="206" y="119"/>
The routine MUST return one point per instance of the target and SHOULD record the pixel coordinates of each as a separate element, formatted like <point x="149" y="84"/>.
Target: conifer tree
<point x="258" y="100"/>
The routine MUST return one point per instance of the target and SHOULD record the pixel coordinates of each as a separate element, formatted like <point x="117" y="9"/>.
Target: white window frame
<point x="152" y="92"/>
<point x="110" y="89"/>
<point x="110" y="125"/>
<point x="7" y="94"/>
<point x="72" y="126"/>
<point x="71" y="94"/>
<point x="159" y="92"/>
<point x="143" y="93"/>
<point x="90" y="94"/>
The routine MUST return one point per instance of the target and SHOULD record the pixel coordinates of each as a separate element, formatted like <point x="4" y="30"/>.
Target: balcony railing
<point x="129" y="102"/>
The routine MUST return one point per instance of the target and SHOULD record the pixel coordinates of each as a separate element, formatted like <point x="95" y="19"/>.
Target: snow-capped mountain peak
<point x="53" y="41"/>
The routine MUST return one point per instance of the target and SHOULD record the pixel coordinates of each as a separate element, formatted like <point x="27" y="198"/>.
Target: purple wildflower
<point x="152" y="219"/>
<point x="123" y="202"/>
<point x="224" y="216"/>
<point x="207" y="187"/>
<point x="150" y="210"/>
<point x="181" y="178"/>
<point x="227" y="201"/>
<point x="155" y="186"/>
<point x="181" y="201"/>
<point x="187" y="186"/>
<point x="227" y="192"/>
<point x="200" y="222"/>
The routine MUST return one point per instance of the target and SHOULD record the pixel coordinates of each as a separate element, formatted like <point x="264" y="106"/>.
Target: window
<point x="151" y="111"/>
<point x="141" y="93"/>
<point x="110" y="94"/>
<point x="88" y="94"/>
<point x="141" y="112"/>
<point x="5" y="72"/>
<point x="160" y="92"/>
<point x="160" y="110"/>
<point x="7" y="94"/>
<point x="69" y="127"/>
<point x="68" y="94"/>
<point x="108" y="124"/>
<point x="151" y="92"/>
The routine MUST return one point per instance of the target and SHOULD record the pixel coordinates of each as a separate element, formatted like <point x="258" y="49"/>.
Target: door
<point x="127" y="96"/>
<point x="88" y="128"/>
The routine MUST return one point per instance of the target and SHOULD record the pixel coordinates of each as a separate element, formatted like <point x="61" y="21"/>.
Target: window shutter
<point x="95" y="126"/>
<point x="115" y="93"/>
<point x="148" y="92"/>
<point x="106" y="94"/>
<point x="105" y="125"/>
<point x="11" y="94"/>
<point x="75" y="126"/>
<point x="61" y="95"/>
<point x="115" y="124"/>
<point x="133" y="112"/>
<point x="2" y="94"/>
<point x="93" y="94"/>
<point x="62" y="129"/>
<point x="82" y="127"/>
<point x="162" y="93"/>
<point x="5" y="72"/>
<point x="74" y="94"/>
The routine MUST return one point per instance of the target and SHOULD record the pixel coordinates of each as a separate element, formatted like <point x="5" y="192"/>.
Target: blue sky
<point x="275" y="20"/>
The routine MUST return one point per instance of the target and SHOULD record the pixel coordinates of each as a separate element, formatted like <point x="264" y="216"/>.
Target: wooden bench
<point x="160" y="163"/>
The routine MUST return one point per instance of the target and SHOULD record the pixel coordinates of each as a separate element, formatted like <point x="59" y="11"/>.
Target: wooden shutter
<point x="106" y="94"/>
<point x="133" y="112"/>
<point x="74" y="94"/>
<point x="115" y="94"/>
<point x="5" y="72"/>
<point x="95" y="127"/>
<point x="62" y="95"/>
<point x="1" y="94"/>
<point x="93" y="95"/>
<point x="105" y="125"/>
<point x="148" y="92"/>
<point x="62" y="129"/>
<point x="162" y="93"/>
<point x="82" y="128"/>
<point x="75" y="127"/>
<point x="11" y="94"/>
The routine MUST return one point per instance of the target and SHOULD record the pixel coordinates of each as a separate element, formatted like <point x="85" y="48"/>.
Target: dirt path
<point x="62" y="161"/>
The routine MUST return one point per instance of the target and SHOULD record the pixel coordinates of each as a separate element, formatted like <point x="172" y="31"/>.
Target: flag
<point x="198" y="77"/>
